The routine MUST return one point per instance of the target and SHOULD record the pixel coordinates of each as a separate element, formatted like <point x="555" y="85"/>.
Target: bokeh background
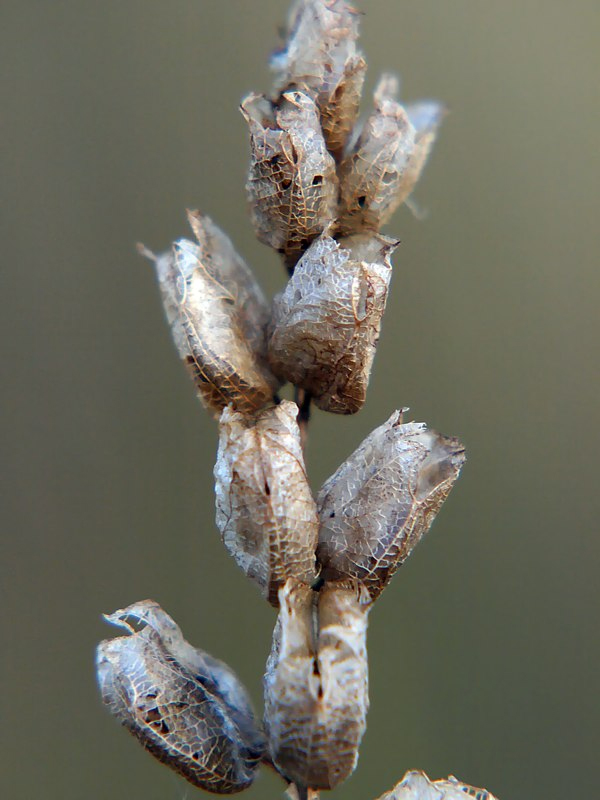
<point x="484" y="651"/>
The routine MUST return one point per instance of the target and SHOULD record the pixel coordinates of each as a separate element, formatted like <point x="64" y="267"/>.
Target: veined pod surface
<point x="417" y="786"/>
<point x="185" y="707"/>
<point x="320" y="57"/>
<point x="292" y="185"/>
<point x="325" y="324"/>
<point x="316" y="683"/>
<point x="218" y="317"/>
<point x="383" y="499"/>
<point x="265" y="509"/>
<point x="381" y="170"/>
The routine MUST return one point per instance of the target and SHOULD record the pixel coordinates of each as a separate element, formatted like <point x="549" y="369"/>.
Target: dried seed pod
<point x="383" y="167"/>
<point x="292" y="185"/>
<point x="383" y="499"/>
<point x="316" y="683"/>
<point x="325" y="324"/>
<point x="218" y="317"/>
<point x="320" y="58"/>
<point x="417" y="786"/>
<point x="184" y="706"/>
<point x="265" y="509"/>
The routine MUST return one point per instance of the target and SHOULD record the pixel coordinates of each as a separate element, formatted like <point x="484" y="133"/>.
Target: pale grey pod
<point x="265" y="509"/>
<point x="383" y="499"/>
<point x="416" y="785"/>
<point x="381" y="170"/>
<point x="218" y="317"/>
<point x="316" y="683"/>
<point x="320" y="57"/>
<point x="325" y="324"/>
<point x="185" y="707"/>
<point x="292" y="184"/>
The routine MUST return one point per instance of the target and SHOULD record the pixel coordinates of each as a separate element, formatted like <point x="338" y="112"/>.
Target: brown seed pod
<point x="381" y="170"/>
<point x="265" y="509"/>
<point x="320" y="58"/>
<point x="292" y="185"/>
<point x="316" y="683"/>
<point x="184" y="706"/>
<point x="383" y="499"/>
<point x="218" y="317"/>
<point x="325" y="324"/>
<point x="417" y="786"/>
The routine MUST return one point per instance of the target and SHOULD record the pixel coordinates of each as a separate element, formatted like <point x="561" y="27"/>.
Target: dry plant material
<point x="417" y="786"/>
<point x="316" y="683"/>
<point x="320" y="187"/>
<point x="383" y="499"/>
<point x="384" y="165"/>
<point x="218" y="317"/>
<point x="265" y="509"/>
<point x="292" y="185"/>
<point x="325" y="325"/>
<point x="186" y="708"/>
<point x="320" y="57"/>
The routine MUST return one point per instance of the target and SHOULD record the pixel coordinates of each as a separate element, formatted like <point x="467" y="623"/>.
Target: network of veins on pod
<point x="320" y="186"/>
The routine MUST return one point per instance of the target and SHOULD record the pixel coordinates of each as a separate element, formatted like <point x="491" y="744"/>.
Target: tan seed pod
<point x="417" y="786"/>
<point x="185" y="707"/>
<point x="320" y="57"/>
<point x="265" y="509"/>
<point x="292" y="184"/>
<point x="218" y="317"/>
<point x="316" y="683"/>
<point x="383" y="499"/>
<point x="381" y="170"/>
<point x="325" y="324"/>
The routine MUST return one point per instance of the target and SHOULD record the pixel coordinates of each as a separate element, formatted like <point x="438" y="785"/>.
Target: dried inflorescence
<point x="186" y="707"/>
<point x="417" y="786"/>
<point x="381" y="170"/>
<point x="218" y="317"/>
<point x="320" y="57"/>
<point x="325" y="325"/>
<point x="265" y="509"/>
<point x="292" y="186"/>
<point x="378" y="505"/>
<point x="316" y="683"/>
<point x="320" y="187"/>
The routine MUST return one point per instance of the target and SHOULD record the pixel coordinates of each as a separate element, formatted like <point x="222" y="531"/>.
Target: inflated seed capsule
<point x="265" y="509"/>
<point x="383" y="499"/>
<point x="218" y="317"/>
<point x="316" y="683"/>
<point x="417" y="786"/>
<point x="381" y="170"/>
<point x="185" y="707"/>
<point x="325" y="325"/>
<point x="292" y="184"/>
<point x="320" y="58"/>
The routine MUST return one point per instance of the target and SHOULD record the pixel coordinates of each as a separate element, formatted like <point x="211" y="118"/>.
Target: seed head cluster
<point x="320" y="186"/>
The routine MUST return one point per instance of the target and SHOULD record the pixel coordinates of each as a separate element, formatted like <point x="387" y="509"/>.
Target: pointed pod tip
<point x="146" y="252"/>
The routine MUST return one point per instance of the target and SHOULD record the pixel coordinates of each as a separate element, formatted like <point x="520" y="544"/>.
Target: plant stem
<point x="303" y="399"/>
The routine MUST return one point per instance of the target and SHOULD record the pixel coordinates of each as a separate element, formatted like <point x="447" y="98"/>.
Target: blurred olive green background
<point x="484" y="652"/>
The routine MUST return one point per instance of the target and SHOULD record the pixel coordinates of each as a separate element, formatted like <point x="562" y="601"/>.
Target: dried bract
<point x="325" y="324"/>
<point x="186" y="707"/>
<point x="292" y="185"/>
<point x="218" y="317"/>
<point x="383" y="499"/>
<point x="383" y="167"/>
<point x="417" y="786"/>
<point x="320" y="57"/>
<point x="316" y="683"/>
<point x="265" y="509"/>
